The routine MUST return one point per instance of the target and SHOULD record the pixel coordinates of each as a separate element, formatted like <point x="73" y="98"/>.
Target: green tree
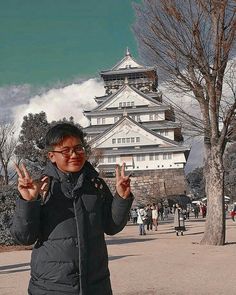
<point x="191" y="43"/>
<point x="30" y="148"/>
<point x="196" y="182"/>
<point x="31" y="141"/>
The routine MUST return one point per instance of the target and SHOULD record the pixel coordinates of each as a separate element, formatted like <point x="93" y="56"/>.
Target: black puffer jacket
<point x="70" y="254"/>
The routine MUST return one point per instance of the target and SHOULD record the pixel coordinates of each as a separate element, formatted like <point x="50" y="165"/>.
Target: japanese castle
<point x="131" y="123"/>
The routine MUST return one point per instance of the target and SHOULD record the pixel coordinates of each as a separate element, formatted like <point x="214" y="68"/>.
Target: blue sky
<point x="50" y="41"/>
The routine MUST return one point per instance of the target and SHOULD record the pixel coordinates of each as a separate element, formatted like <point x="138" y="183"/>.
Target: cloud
<point x="13" y="95"/>
<point x="62" y="102"/>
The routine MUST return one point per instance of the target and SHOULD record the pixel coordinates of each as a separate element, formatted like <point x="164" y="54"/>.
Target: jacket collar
<point x="74" y="178"/>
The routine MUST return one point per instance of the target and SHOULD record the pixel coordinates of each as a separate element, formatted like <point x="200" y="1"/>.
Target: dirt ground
<point x="158" y="263"/>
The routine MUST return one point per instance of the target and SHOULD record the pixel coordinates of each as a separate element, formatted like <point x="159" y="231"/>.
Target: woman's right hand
<point x="29" y="188"/>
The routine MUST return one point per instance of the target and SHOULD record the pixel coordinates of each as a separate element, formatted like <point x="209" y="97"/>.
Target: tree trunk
<point x="215" y="223"/>
<point x="6" y="177"/>
<point x="5" y="170"/>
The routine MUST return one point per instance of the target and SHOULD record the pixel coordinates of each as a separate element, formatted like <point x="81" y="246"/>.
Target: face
<point x="68" y="162"/>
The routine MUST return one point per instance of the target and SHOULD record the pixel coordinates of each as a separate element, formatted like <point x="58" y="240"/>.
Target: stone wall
<point x="151" y="186"/>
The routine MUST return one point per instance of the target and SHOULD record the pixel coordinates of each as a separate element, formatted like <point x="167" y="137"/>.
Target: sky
<point x="48" y="42"/>
<point x="52" y="51"/>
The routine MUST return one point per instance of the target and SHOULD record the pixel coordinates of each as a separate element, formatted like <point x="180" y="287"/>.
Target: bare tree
<point x="95" y="156"/>
<point x="191" y="42"/>
<point x="7" y="146"/>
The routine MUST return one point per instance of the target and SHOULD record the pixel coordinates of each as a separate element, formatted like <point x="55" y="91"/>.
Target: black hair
<point x="59" y="132"/>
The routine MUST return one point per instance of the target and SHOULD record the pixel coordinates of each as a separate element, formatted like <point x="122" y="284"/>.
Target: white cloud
<point x="63" y="102"/>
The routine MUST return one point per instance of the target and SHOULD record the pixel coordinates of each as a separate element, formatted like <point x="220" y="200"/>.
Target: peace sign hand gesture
<point x="122" y="182"/>
<point x="29" y="188"/>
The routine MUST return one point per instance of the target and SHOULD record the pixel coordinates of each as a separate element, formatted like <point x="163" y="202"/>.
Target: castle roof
<point x="126" y="64"/>
<point x="129" y="92"/>
<point x="127" y="125"/>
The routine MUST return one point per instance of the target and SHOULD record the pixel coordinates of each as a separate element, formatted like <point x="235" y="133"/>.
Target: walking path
<point x="158" y="263"/>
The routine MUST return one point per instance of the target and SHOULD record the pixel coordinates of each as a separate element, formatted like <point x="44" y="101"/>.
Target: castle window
<point x="137" y="139"/>
<point x="132" y="103"/>
<point x="89" y="137"/>
<point x="166" y="133"/>
<point x="103" y="120"/>
<point x="111" y="159"/>
<point x="128" y="140"/>
<point x="132" y="139"/>
<point x="151" y="157"/>
<point x="156" y="157"/>
<point x="119" y="140"/>
<point x="140" y="158"/>
<point x="164" y="156"/>
<point x="120" y="104"/>
<point x="123" y="140"/>
<point x="113" y="140"/>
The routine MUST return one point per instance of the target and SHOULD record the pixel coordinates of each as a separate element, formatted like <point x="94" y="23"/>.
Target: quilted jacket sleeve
<point x="26" y="221"/>
<point x="115" y="211"/>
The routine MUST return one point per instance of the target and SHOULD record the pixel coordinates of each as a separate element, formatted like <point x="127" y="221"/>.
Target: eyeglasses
<point x="67" y="152"/>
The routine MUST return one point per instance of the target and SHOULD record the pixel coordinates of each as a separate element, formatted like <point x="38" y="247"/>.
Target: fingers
<point x="26" y="173"/>
<point x="18" y="170"/>
<point x="117" y="173"/>
<point x="120" y="171"/>
<point x="43" y="184"/>
<point x="123" y="170"/>
<point x="25" y="183"/>
<point x="22" y="173"/>
<point x="44" y="178"/>
<point x="44" y="187"/>
<point x="126" y="181"/>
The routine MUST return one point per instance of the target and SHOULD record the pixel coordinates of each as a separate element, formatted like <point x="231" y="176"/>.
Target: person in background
<point x="141" y="220"/>
<point x="155" y="216"/>
<point x="188" y="210"/>
<point x="161" y="211"/>
<point x="165" y="212"/>
<point x="196" y="211"/>
<point x="204" y="210"/>
<point x="149" y="217"/>
<point x="134" y="215"/>
<point x="233" y="213"/>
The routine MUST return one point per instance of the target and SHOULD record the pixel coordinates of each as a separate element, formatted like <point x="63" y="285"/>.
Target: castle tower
<point x="141" y="77"/>
<point x="131" y="124"/>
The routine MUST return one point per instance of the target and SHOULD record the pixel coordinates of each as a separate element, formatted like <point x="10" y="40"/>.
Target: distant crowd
<point x="148" y="217"/>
